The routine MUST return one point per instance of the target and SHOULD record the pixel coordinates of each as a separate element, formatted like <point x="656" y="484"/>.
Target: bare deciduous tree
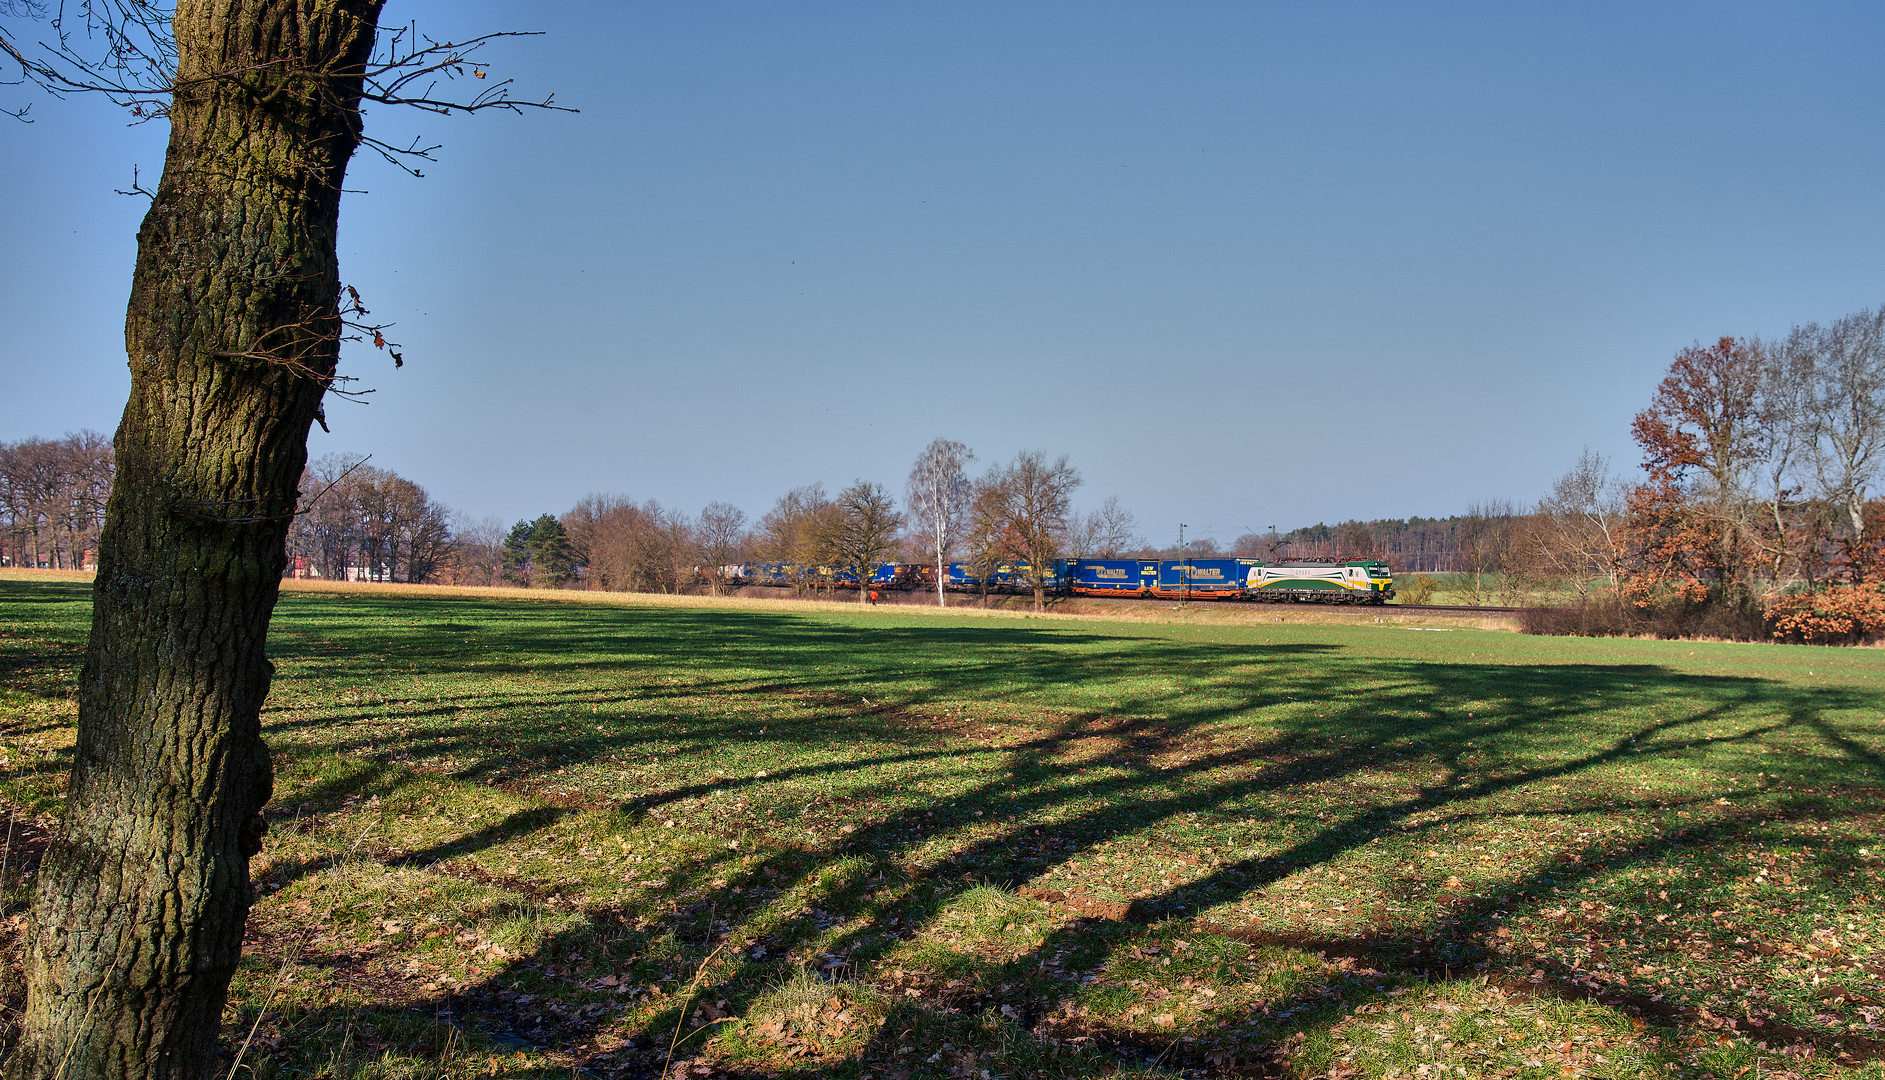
<point x="624" y="546"/>
<point x="1115" y="530"/>
<point x="1030" y="499"/>
<point x="721" y="535"/>
<point x="796" y="530"/>
<point x="52" y="500"/>
<point x="863" y="531"/>
<point x="986" y="534"/>
<point x="939" y="495"/>
<point x="1848" y="410"/>
<point x="1080" y="539"/>
<point x="477" y="556"/>
<point x="359" y="523"/>
<point x="1579" y="532"/>
<point x="1486" y="541"/>
<point x="1103" y="533"/>
<point x="1788" y="381"/>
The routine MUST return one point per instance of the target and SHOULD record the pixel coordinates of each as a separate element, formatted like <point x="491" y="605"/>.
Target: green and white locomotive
<point x="1359" y="581"/>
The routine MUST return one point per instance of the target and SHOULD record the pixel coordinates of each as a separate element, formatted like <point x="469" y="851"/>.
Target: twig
<point x="6" y="852"/>
<point x="675" y="1039"/>
<point x="368" y="829"/>
<point x="60" y="1071"/>
<point x="309" y="505"/>
<point x="137" y="188"/>
<point x="281" y="977"/>
<point x="1169" y="1047"/>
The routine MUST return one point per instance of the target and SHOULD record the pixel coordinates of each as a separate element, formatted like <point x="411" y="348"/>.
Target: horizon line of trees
<point x="52" y="500"/>
<point x="361" y="523"/>
<point x="1756" y="515"/>
<point x="356" y="522"/>
<point x="1760" y="458"/>
<point x="1020" y="512"/>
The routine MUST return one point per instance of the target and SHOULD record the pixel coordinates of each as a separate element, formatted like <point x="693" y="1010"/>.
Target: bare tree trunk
<point x="232" y="332"/>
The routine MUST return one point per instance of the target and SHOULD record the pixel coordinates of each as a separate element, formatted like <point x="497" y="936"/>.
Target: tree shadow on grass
<point x="1466" y="735"/>
<point x="1344" y="751"/>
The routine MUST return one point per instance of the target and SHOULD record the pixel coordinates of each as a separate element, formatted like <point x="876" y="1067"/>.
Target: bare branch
<point x="120" y="48"/>
<point x="352" y="316"/>
<point x="124" y="49"/>
<point x="312" y="336"/>
<point x="136" y="188"/>
<point x="408" y="59"/>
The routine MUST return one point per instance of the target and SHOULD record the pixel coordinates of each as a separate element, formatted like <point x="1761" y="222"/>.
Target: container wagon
<point x="1113" y="577"/>
<point x="1203" y="579"/>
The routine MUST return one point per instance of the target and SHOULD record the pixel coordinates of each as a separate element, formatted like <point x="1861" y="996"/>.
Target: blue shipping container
<point x="1054" y="580"/>
<point x="1204" y="577"/>
<point x="1009" y="577"/>
<point x="1108" y="576"/>
<point x="883" y="576"/>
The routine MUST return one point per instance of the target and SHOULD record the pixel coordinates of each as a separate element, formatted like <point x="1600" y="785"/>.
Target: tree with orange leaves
<point x="1702" y="438"/>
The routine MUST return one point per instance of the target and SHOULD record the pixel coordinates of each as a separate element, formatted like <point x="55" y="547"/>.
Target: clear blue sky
<point x="1247" y="264"/>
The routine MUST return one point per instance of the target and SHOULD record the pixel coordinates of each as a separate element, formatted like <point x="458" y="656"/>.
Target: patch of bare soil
<point x="20" y="852"/>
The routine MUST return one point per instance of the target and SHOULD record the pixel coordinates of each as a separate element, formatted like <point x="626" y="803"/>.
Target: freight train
<point x="1356" y="581"/>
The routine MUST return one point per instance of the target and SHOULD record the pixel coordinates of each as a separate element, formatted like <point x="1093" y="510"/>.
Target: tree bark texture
<point x="232" y="333"/>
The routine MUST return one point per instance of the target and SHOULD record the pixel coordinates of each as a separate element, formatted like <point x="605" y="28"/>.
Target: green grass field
<point x="516" y="836"/>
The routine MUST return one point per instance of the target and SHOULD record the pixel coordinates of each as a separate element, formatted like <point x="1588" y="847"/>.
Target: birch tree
<point x="939" y="495"/>
<point x="1789" y="379"/>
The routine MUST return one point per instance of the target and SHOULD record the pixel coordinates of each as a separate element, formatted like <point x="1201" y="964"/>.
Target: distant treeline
<point x="1755" y="515"/>
<point x="1409" y="545"/>
<point x="52" y="500"/>
<point x="360" y="523"/>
